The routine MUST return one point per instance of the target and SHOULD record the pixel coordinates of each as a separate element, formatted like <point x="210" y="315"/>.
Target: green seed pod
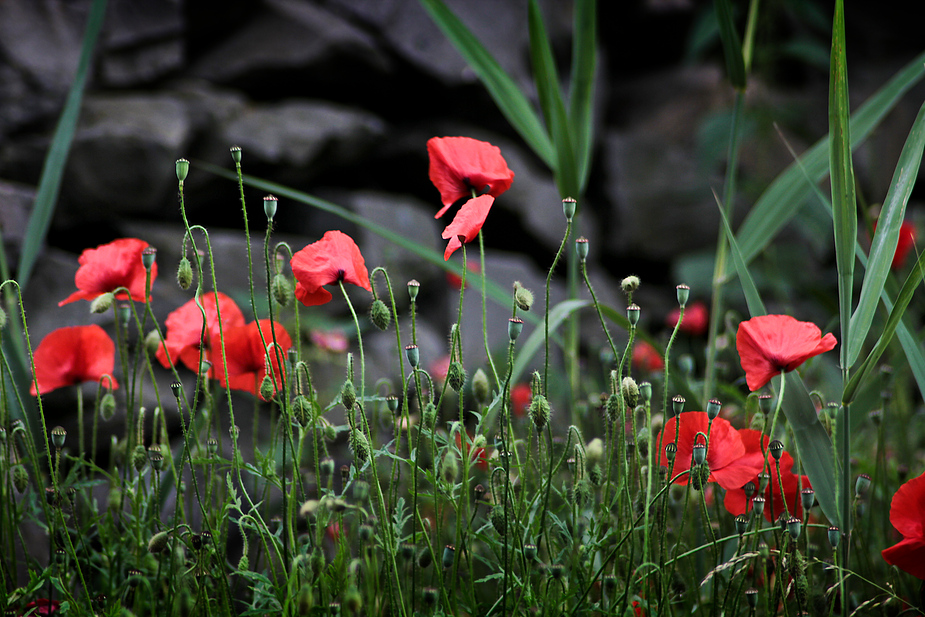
<point x="269" y="206"/>
<point x="156" y="457"/>
<point x="456" y="376"/>
<point x="360" y="445"/>
<point x="481" y="390"/>
<point x="236" y="154"/>
<point x="425" y="558"/>
<point x="833" y="533"/>
<point x="184" y="273"/>
<point x="430" y="596"/>
<point x="182" y="169"/>
<point x="684" y="293"/>
<point x="282" y="290"/>
<point x="632" y="314"/>
<point x="449" y="551"/>
<point x="102" y="302"/>
<point x="348" y="395"/>
<point x="20" y="479"/>
<point x="582" y="248"/>
<point x="539" y="411"/>
<point x="58" y="436"/>
<point x="380" y="315"/>
<point x="569" y="205"/>
<point x="630" y="391"/>
<point x="139" y="457"/>
<point x="645" y="392"/>
<point x="515" y="326"/>
<point x="414" y="355"/>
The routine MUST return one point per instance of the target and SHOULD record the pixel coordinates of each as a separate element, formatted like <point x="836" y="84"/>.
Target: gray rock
<point x="15" y="205"/>
<point x="143" y="41"/>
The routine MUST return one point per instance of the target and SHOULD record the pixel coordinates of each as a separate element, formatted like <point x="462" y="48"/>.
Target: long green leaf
<point x="507" y="96"/>
<point x="841" y="170"/>
<point x="814" y="445"/>
<point x="53" y="168"/>
<point x="581" y="88"/>
<point x="786" y="194"/>
<point x="732" y="45"/>
<point x="557" y="314"/>
<point x="547" y="84"/>
<point x="883" y="246"/>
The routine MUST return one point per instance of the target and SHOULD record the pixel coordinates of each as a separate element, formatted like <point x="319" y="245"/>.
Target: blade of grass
<point x="778" y="204"/>
<point x="814" y="445"/>
<point x="547" y="84"/>
<point x="883" y="246"/>
<point x="581" y="88"/>
<point x="507" y="96"/>
<point x="732" y="45"/>
<point x="557" y="315"/>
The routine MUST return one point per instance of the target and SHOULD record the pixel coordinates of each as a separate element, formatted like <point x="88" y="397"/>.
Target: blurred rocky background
<point x="338" y="97"/>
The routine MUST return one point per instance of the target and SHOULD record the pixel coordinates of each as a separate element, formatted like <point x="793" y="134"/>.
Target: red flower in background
<point x="110" y="266"/>
<point x="907" y="514"/>
<point x="479" y="455"/>
<point x="770" y="344"/>
<point x="184" y="338"/>
<point x="333" y="258"/>
<point x="248" y="357"/>
<point x="461" y="165"/>
<point x="467" y="223"/>
<point x="696" y="319"/>
<point x="725" y="453"/>
<point x="904" y="244"/>
<point x="646" y="357"/>
<point x="521" y="397"/>
<point x="735" y="500"/>
<point x="70" y="356"/>
<point x="42" y="607"/>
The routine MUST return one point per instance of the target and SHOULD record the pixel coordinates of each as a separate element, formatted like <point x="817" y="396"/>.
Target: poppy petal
<point x="110" y="266"/>
<point x="769" y="344"/>
<point x="333" y="258"/>
<point x="467" y="223"/>
<point x="461" y="165"/>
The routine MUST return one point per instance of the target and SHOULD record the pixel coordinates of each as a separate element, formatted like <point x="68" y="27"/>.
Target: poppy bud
<point x="481" y="390"/>
<point x="523" y="297"/>
<point x="569" y="205"/>
<point x="713" y="408"/>
<point x="267" y="389"/>
<point x="429" y="417"/>
<point x="450" y="467"/>
<point x="497" y="519"/>
<point x="414" y="355"/>
<point x="515" y="326"/>
<point x="139" y="457"/>
<point x="699" y="476"/>
<point x="20" y="478"/>
<point x="581" y="247"/>
<point x="645" y="391"/>
<point x="348" y="395"/>
<point x="102" y="302"/>
<point x="684" y="293"/>
<point x="539" y="411"/>
<point x="302" y="410"/>
<point x="359" y="444"/>
<point x="632" y="314"/>
<point x="594" y="451"/>
<point x="158" y="542"/>
<point x="2" y="318"/>
<point x="327" y="466"/>
<point x="184" y="273"/>
<point x="58" y="435"/>
<point x="456" y="376"/>
<point x="236" y="154"/>
<point x="282" y="290"/>
<point x="269" y="206"/>
<point x="630" y="391"/>
<point x="380" y="315"/>
<point x="182" y="169"/>
<point x="629" y="284"/>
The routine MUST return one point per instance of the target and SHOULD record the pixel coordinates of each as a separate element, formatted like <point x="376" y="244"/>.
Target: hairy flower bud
<point x="630" y="391"/>
<point x="380" y="315"/>
<point x="348" y="395"/>
<point x="359" y="444"/>
<point x="282" y="290"/>
<point x="629" y="284"/>
<point x="523" y="297"/>
<point x="158" y="542"/>
<point x="481" y="389"/>
<point x="449" y="470"/>
<point x="184" y="273"/>
<point x="101" y="303"/>
<point x="539" y="411"/>
<point x="139" y="457"/>
<point x="456" y="376"/>
<point x="20" y="478"/>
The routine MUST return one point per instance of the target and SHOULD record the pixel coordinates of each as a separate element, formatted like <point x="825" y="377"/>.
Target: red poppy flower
<point x="467" y="223"/>
<point x="184" y="338"/>
<point x="770" y="344"/>
<point x="248" y="357"/>
<point x="461" y="165"/>
<point x="696" y="319"/>
<point x="647" y="358"/>
<point x="42" y="607"/>
<point x="521" y="397"/>
<point x="907" y="514"/>
<point x="725" y="452"/>
<point x="110" y="266"/>
<point x="70" y="356"/>
<point x="479" y="455"/>
<point x="735" y="500"/>
<point x="333" y="258"/>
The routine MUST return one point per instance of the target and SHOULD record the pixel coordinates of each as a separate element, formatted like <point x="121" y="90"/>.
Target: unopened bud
<point x="456" y="376"/>
<point x="523" y="297"/>
<point x="158" y="542"/>
<point x="359" y="444"/>
<point x="481" y="390"/>
<point x="184" y="273"/>
<point x="102" y="302"/>
<point x="630" y="391"/>
<point x="282" y="289"/>
<point x="539" y="411"/>
<point x="380" y="315"/>
<point x="629" y="284"/>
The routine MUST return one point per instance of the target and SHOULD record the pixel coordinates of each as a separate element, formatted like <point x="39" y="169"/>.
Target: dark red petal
<point x="908" y="555"/>
<point x="907" y="512"/>
<point x="467" y="223"/>
<point x="70" y="356"/>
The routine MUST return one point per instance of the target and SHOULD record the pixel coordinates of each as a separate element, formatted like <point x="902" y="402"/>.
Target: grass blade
<point x="581" y="88"/>
<point x="507" y="96"/>
<point x="732" y="45"/>
<point x="883" y="246"/>
<point x="784" y="197"/>
<point x="53" y="168"/>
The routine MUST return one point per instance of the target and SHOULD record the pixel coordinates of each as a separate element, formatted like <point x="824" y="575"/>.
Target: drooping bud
<point x="184" y="273"/>
<point x="429" y="416"/>
<point x="523" y="297"/>
<point x="158" y="542"/>
<point x="282" y="289"/>
<point x="359" y="444"/>
<point x="450" y="467"/>
<point x="380" y="315"/>
<point x="456" y="376"/>
<point x="481" y="390"/>
<point x="139" y="457"/>
<point x="20" y="478"/>
<point x="102" y="302"/>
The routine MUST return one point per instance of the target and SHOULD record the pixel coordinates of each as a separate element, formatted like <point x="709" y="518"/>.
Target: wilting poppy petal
<point x="907" y="514"/>
<point x="725" y="453"/>
<point x="247" y="355"/>
<point x="109" y="267"/>
<point x="184" y="329"/>
<point x="467" y="223"/>
<point x="70" y="356"/>
<point x="770" y="344"/>
<point x="333" y="258"/>
<point x="461" y="165"/>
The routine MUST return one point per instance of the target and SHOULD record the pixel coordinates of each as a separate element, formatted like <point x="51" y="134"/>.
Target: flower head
<point x="185" y="341"/>
<point x="907" y="514"/>
<point x="461" y="165"/>
<point x="521" y="397"/>
<point x="696" y="319"/>
<point x="770" y="344"/>
<point x="42" y="607"/>
<point x="725" y="451"/>
<point x="70" y="356"/>
<point x="646" y="357"/>
<point x="333" y="258"/>
<point x="109" y="267"/>
<point x="249" y="357"/>
<point x="736" y="502"/>
<point x="467" y="223"/>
